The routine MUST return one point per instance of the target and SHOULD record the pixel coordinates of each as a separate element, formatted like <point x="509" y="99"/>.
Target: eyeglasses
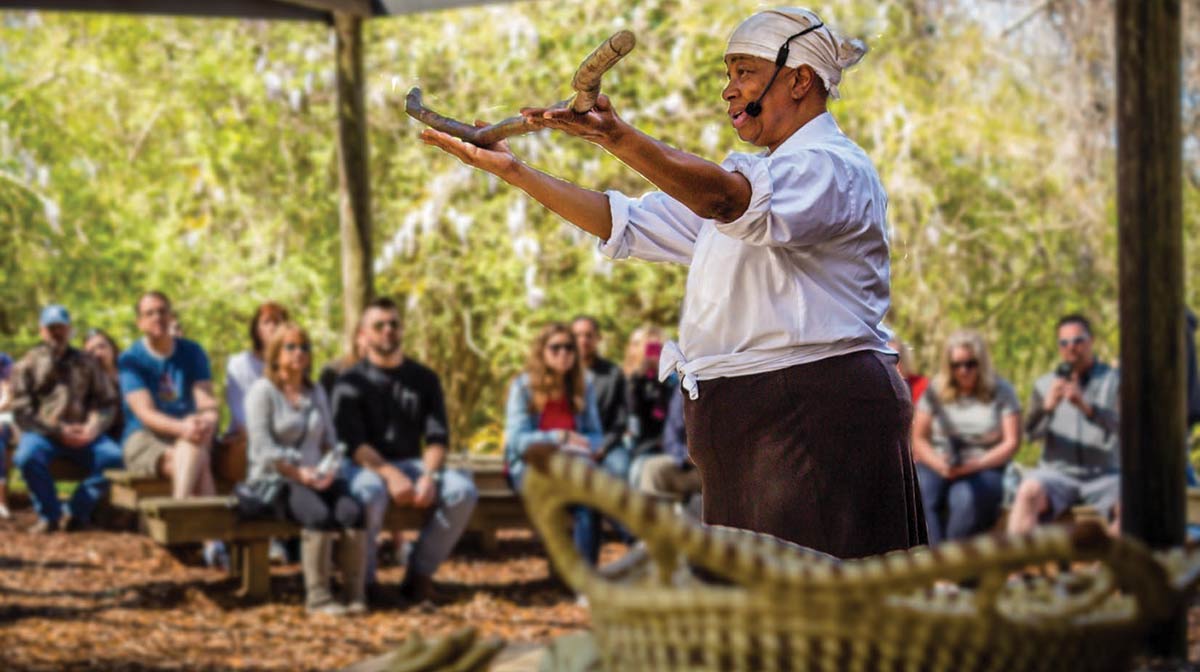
<point x="1078" y="340"/>
<point x="302" y="347"/>
<point x="384" y="324"/>
<point x="155" y="312"/>
<point x="557" y="348"/>
<point x="968" y="364"/>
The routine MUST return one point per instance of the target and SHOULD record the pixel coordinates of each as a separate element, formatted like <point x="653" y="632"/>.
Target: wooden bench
<point x="127" y="489"/>
<point x="171" y="521"/>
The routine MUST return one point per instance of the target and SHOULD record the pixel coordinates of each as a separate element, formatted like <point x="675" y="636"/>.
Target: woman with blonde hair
<point x="965" y="432"/>
<point x="551" y="402"/>
<point x="290" y="429"/>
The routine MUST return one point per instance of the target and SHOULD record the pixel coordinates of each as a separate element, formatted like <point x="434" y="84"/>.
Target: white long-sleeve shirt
<point x="241" y="372"/>
<point x="802" y="275"/>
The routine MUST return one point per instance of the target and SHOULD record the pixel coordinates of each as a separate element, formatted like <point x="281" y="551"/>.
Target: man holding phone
<point x="1073" y="410"/>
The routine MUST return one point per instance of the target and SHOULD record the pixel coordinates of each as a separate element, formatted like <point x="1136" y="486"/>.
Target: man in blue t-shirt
<point x="170" y="408"/>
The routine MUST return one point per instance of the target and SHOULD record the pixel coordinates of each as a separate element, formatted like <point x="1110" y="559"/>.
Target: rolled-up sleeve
<point x="797" y="199"/>
<point x="654" y="227"/>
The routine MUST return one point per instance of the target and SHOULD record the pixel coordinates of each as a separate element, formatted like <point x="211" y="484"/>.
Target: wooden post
<point x="253" y="563"/>
<point x="354" y="185"/>
<point x="1150" y="235"/>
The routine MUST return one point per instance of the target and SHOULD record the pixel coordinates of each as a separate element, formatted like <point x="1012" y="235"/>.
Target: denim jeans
<point x="34" y="453"/>
<point x="456" y="501"/>
<point x="586" y="533"/>
<point x="962" y="507"/>
<point x="585" y="530"/>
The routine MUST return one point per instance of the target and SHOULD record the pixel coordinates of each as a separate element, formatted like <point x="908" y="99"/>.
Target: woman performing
<point x="796" y="417"/>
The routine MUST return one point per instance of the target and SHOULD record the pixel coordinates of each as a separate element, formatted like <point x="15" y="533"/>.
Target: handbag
<point x="263" y="498"/>
<point x="259" y="499"/>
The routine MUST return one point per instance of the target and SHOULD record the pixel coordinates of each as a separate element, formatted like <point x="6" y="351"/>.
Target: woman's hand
<point x="941" y="466"/>
<point x="496" y="159"/>
<point x="309" y="477"/>
<point x="600" y="125"/>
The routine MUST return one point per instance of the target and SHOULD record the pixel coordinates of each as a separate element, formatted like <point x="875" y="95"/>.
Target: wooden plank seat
<point x="128" y="489"/>
<point x="171" y="521"/>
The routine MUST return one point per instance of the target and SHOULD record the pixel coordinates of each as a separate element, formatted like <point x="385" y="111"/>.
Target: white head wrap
<point x="826" y="52"/>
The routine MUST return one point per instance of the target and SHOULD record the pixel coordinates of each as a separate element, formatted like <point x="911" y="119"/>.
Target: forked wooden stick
<point x="586" y="84"/>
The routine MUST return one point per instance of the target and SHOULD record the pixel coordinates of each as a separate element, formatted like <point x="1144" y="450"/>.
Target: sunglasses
<point x="384" y="324"/>
<point x="1078" y="340"/>
<point x="302" y="347"/>
<point x="155" y="312"/>
<point x="968" y="364"/>
<point x="557" y="348"/>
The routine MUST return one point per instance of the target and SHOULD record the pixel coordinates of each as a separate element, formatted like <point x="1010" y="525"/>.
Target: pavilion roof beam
<point x="304" y="10"/>
<point x="246" y="9"/>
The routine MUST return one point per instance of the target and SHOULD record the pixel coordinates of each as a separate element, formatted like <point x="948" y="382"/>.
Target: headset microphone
<point x="754" y="107"/>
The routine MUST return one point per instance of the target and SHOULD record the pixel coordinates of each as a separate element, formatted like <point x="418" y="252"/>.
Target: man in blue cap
<point x="63" y="402"/>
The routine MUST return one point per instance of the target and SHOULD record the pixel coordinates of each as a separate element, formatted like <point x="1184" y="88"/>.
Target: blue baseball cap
<point x="54" y="314"/>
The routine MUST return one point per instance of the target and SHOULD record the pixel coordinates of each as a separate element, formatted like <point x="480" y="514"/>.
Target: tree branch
<point x="586" y="84"/>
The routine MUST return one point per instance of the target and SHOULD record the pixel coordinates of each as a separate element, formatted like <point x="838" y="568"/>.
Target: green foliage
<point x="199" y="157"/>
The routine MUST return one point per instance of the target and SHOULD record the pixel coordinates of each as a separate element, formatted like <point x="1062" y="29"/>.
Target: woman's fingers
<point x="449" y="144"/>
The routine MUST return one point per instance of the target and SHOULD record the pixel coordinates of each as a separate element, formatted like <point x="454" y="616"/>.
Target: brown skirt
<point x="817" y="454"/>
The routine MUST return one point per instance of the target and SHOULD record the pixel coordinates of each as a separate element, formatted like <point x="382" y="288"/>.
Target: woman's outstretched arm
<point x="705" y="188"/>
<point x="585" y="208"/>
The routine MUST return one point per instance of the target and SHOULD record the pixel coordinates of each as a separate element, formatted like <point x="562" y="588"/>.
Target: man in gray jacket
<point x="1073" y="410"/>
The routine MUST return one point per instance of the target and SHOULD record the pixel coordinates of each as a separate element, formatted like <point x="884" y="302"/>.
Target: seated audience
<point x="290" y="428"/>
<point x="102" y="346"/>
<point x="551" y="403"/>
<point x="671" y="474"/>
<point x="966" y="429"/>
<point x="63" y="402"/>
<point x="385" y="407"/>
<point x="907" y="369"/>
<point x="647" y="396"/>
<point x="1073" y="411"/>
<point x="6" y="429"/>
<point x="246" y="367"/>
<point x="608" y="382"/>
<point x="170" y="408"/>
<point x="332" y="369"/>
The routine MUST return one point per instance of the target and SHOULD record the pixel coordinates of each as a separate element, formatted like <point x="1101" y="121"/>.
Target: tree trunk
<point x="354" y="187"/>
<point x="1150" y="234"/>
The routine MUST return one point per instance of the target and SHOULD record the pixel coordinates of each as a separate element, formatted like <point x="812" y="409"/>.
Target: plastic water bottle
<point x="332" y="460"/>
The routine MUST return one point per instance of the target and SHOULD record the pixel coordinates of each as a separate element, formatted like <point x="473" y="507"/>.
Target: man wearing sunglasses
<point x="389" y="410"/>
<point x="1073" y="411"/>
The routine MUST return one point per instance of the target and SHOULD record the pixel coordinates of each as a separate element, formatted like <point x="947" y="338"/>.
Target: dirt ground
<point x="117" y="601"/>
<point x="104" y="600"/>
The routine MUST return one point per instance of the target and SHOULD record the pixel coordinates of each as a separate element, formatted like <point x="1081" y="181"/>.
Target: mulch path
<point x="104" y="600"/>
<point x="117" y="601"/>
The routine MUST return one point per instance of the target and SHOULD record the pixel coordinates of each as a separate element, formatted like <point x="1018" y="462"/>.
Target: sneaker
<point x="4" y="513"/>
<point x="418" y="589"/>
<point x="215" y="555"/>
<point x="44" y="526"/>
<point x="330" y="608"/>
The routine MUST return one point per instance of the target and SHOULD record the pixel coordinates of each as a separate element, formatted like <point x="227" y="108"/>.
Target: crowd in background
<point x="332" y="456"/>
